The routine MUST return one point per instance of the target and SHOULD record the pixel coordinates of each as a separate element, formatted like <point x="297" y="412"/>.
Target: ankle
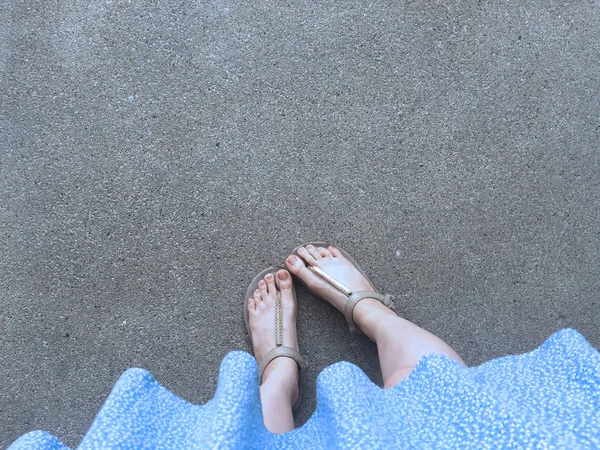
<point x="281" y="375"/>
<point x="370" y="314"/>
<point x="284" y="389"/>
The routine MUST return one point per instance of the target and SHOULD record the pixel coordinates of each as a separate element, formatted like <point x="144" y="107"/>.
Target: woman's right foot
<point x="331" y="261"/>
<point x="282" y="373"/>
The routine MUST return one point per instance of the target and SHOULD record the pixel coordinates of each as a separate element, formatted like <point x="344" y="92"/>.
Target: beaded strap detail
<point x="339" y="286"/>
<point x="278" y="323"/>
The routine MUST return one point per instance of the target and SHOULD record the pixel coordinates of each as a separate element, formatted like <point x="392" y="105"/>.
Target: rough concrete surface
<point x="156" y="155"/>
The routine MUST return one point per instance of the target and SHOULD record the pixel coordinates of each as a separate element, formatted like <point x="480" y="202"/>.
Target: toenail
<point x="269" y="276"/>
<point x="282" y="275"/>
<point x="301" y="249"/>
<point x="292" y="260"/>
<point x="261" y="283"/>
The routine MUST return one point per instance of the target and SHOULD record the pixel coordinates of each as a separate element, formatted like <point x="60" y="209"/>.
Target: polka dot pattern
<point x="548" y="398"/>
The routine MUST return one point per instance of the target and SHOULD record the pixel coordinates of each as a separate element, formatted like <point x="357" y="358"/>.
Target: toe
<point x="251" y="305"/>
<point x="257" y="297"/>
<point x="298" y="268"/>
<point x="294" y="265"/>
<point x="284" y="280"/>
<point x="312" y="250"/>
<point x="334" y="251"/>
<point x="324" y="252"/>
<point x="262" y="287"/>
<point x="270" y="280"/>
<point x="306" y="256"/>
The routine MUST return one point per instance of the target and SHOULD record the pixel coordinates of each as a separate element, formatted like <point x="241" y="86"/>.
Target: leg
<point x="278" y="393"/>
<point x="400" y="343"/>
<point x="279" y="389"/>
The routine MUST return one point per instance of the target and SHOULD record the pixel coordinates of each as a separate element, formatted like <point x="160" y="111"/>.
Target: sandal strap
<point x="356" y="297"/>
<point x="353" y="297"/>
<point x="278" y="352"/>
<point x="335" y="283"/>
<point x="278" y="322"/>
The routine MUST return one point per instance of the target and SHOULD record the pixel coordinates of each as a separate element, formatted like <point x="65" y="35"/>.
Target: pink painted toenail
<point x="283" y="275"/>
<point x="292" y="260"/>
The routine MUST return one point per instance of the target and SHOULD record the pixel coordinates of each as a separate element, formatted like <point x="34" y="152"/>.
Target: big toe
<point x="284" y="280"/>
<point x="295" y="265"/>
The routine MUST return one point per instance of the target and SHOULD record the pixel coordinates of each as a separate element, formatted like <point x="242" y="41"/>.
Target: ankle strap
<point x="356" y="297"/>
<point x="278" y="352"/>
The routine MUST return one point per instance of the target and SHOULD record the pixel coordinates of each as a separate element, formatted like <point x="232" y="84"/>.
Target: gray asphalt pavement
<point x="154" y="156"/>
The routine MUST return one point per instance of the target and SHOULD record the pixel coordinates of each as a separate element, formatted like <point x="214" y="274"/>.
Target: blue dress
<point x="548" y="398"/>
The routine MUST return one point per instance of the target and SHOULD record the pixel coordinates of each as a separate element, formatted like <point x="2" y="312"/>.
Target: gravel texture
<point x="154" y="156"/>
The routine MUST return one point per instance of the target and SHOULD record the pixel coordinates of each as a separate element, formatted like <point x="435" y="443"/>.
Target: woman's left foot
<point x="282" y="372"/>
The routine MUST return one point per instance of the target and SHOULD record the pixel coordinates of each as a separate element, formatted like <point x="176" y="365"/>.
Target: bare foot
<point x="333" y="263"/>
<point x="282" y="373"/>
